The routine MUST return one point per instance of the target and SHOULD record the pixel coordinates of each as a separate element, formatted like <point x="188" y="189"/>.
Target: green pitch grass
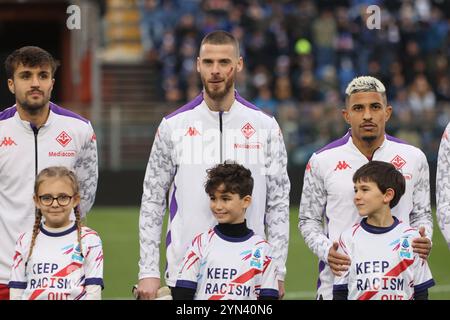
<point x="118" y="228"/>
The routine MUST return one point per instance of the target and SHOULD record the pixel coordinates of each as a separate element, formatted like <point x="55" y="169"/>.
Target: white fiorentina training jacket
<point x="187" y="143"/>
<point x="327" y="208"/>
<point x="66" y="139"/>
<point x="443" y="186"/>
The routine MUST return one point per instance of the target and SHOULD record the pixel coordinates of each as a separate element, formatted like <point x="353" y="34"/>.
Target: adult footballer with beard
<point x="35" y="134"/>
<point x="216" y="126"/>
<point x="326" y="206"/>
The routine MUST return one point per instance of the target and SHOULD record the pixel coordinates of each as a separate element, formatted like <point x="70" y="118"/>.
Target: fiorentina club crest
<point x="398" y="162"/>
<point x="63" y="138"/>
<point x="247" y="130"/>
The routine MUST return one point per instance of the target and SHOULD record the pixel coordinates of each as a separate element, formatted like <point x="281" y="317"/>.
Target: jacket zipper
<point x="221" y="135"/>
<point x="35" y="131"/>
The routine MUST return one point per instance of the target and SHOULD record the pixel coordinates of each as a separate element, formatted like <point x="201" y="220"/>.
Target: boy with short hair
<point x="383" y="264"/>
<point x="229" y="261"/>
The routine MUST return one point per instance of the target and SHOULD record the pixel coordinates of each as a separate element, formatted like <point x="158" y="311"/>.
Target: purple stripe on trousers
<point x="168" y="238"/>
<point x="167" y="267"/>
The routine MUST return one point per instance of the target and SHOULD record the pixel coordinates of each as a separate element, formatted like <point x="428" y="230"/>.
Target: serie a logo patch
<point x="256" y="259"/>
<point x="405" y="251"/>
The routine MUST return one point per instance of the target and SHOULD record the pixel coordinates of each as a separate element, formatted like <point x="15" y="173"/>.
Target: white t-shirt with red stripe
<point x="56" y="269"/>
<point x="219" y="267"/>
<point x="384" y="266"/>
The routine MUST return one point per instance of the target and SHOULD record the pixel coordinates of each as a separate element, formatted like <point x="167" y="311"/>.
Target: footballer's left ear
<point x="11" y="86"/>
<point x="198" y="64"/>
<point x="240" y="64"/>
<point x="388" y="112"/>
<point x="388" y="195"/>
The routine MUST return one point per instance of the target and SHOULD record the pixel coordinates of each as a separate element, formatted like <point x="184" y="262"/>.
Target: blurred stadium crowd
<point x="300" y="55"/>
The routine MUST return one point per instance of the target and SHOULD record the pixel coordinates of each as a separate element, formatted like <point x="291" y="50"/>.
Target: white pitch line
<point x="312" y="294"/>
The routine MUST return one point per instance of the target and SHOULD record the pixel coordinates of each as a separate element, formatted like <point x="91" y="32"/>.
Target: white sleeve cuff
<point x="15" y="294"/>
<point x="93" y="292"/>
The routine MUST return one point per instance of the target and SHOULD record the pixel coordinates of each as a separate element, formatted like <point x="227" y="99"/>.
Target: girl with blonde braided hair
<point x="60" y="259"/>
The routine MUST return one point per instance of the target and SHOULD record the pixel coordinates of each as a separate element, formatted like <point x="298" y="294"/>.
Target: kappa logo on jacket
<point x="308" y="166"/>
<point x="342" y="165"/>
<point x="192" y="132"/>
<point x="63" y="138"/>
<point x="7" y="142"/>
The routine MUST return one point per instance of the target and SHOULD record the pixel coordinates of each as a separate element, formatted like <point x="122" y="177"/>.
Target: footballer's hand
<point x="422" y="245"/>
<point x="338" y="262"/>
<point x="281" y="290"/>
<point x="147" y="288"/>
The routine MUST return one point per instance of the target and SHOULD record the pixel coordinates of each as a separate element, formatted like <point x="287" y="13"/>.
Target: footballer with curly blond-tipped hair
<point x="326" y="206"/>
